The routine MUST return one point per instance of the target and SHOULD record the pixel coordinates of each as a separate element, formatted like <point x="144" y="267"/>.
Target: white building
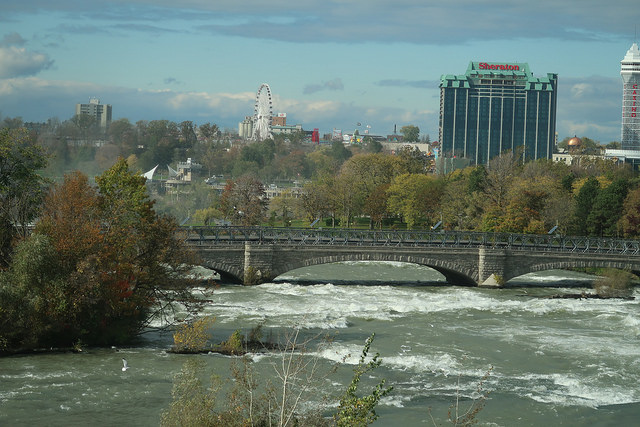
<point x="101" y="112"/>
<point x="630" y="72"/>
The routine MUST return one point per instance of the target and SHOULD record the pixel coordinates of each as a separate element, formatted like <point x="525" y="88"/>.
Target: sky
<point x="330" y="64"/>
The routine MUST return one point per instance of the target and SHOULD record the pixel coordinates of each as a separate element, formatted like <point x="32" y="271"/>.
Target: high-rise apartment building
<point x="101" y="112"/>
<point x="630" y="72"/>
<point x="495" y="107"/>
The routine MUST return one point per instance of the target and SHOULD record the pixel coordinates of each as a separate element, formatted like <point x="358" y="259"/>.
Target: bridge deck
<point x="217" y="236"/>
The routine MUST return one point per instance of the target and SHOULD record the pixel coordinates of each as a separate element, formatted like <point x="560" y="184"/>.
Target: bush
<point x="193" y="336"/>
<point x="614" y="284"/>
<point x="235" y="343"/>
<point x="276" y="401"/>
<point x="354" y="410"/>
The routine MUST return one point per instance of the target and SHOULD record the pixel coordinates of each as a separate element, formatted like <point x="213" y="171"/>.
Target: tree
<point x="244" y="201"/>
<point x="21" y="187"/>
<point x="630" y="220"/>
<point x="477" y="179"/>
<point x="584" y="203"/>
<point x="316" y="200"/>
<point x="107" y="263"/>
<point x="414" y="197"/>
<point x="375" y="205"/>
<point x="500" y="174"/>
<point x="123" y="134"/>
<point x="607" y="209"/>
<point x="284" y="206"/>
<point x="410" y="160"/>
<point x="373" y="145"/>
<point x="339" y="152"/>
<point x="209" y="131"/>
<point x="461" y="210"/>
<point x="410" y="133"/>
<point x="188" y="133"/>
<point x="292" y="165"/>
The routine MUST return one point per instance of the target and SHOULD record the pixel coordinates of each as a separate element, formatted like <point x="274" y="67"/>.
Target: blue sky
<point x="330" y="63"/>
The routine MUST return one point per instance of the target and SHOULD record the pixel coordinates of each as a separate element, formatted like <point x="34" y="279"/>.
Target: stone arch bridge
<point x="252" y="255"/>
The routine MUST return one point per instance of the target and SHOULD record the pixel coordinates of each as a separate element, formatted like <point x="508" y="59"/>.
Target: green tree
<point x="188" y="133"/>
<point x="410" y="133"/>
<point x="339" y="152"/>
<point x="30" y="295"/>
<point x="209" y="131"/>
<point x="583" y="205"/>
<point x="415" y="197"/>
<point x="477" y="179"/>
<point x="607" y="209"/>
<point x="21" y="186"/>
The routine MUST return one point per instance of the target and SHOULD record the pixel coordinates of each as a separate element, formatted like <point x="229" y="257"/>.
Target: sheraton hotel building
<point x="496" y="107"/>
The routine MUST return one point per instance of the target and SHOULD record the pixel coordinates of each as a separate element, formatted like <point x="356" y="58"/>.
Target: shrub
<point x="193" y="336"/>
<point x="360" y="411"/>
<point x="614" y="284"/>
<point x="235" y="343"/>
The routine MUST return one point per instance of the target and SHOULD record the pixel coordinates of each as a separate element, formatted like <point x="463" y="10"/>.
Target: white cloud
<point x="16" y="60"/>
<point x="586" y="107"/>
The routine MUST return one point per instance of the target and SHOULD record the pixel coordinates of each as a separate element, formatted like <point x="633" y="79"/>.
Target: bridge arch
<point x="577" y="263"/>
<point x="454" y="273"/>
<point x="230" y="272"/>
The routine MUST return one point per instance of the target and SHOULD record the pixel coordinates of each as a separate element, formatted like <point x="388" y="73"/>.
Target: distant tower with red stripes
<point x="315" y="136"/>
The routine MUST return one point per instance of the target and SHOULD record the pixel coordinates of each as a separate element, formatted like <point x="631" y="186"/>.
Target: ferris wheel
<point x="262" y="114"/>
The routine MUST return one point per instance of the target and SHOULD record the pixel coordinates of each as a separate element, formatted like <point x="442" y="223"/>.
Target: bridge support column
<point x="492" y="267"/>
<point x="258" y="264"/>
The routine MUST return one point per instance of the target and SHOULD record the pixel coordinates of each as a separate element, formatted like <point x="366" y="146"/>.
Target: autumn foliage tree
<point x="100" y="265"/>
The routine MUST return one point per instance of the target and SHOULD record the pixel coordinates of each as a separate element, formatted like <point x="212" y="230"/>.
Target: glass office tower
<point x="495" y="107"/>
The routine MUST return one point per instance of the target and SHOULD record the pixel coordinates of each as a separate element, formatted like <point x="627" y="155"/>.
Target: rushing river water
<point x="555" y="361"/>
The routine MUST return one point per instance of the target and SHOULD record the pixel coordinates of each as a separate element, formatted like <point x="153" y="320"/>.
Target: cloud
<point x="590" y="106"/>
<point x="16" y="61"/>
<point x="171" y="80"/>
<point x="37" y="99"/>
<point x="12" y="39"/>
<point x="413" y="21"/>
<point x="335" y="84"/>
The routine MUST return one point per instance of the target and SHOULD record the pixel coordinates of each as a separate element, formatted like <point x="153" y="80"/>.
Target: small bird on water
<point x="125" y="365"/>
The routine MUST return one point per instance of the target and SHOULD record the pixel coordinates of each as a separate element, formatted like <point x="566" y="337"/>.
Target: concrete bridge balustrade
<point x="256" y="255"/>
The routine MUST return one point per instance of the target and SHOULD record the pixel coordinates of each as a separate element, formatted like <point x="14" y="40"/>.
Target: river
<point x="551" y="361"/>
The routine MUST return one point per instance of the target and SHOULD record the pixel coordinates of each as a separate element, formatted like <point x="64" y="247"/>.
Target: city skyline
<point x="329" y="64"/>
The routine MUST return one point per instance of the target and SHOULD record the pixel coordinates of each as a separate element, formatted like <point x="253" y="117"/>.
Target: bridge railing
<point x="231" y="235"/>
